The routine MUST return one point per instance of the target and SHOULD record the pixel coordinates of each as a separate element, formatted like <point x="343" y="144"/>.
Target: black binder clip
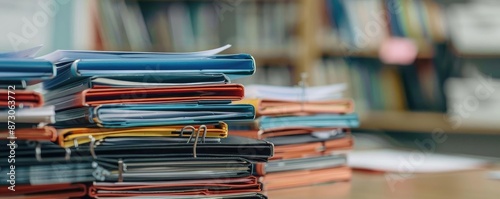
<point x="197" y="137"/>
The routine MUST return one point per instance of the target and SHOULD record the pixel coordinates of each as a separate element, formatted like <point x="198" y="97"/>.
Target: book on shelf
<point x="376" y="86"/>
<point x="360" y="27"/>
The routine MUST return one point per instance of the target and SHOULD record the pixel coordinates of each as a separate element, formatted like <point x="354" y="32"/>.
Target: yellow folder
<point x="68" y="137"/>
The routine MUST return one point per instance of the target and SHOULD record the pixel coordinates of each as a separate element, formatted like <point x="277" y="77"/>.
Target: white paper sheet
<point x="68" y="55"/>
<point x="32" y="115"/>
<point x="390" y="160"/>
<point x="27" y="53"/>
<point x="317" y="93"/>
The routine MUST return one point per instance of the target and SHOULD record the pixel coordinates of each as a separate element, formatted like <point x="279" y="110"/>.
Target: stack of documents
<point x="22" y="115"/>
<point x="134" y="124"/>
<point x="309" y="128"/>
<point x="23" y="118"/>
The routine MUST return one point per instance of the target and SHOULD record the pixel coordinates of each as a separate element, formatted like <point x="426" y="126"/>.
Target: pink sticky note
<point x="400" y="51"/>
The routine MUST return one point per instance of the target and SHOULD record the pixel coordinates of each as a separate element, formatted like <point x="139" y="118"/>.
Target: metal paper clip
<point x="120" y="170"/>
<point x="67" y="157"/>
<point x="38" y="152"/>
<point x="303" y="85"/>
<point x="195" y="145"/>
<point x="75" y="142"/>
<point x="92" y="146"/>
<point x="184" y="128"/>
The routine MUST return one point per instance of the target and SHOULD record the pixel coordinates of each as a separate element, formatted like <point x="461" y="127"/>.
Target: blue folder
<point x="26" y="69"/>
<point x="18" y="84"/>
<point x="315" y="121"/>
<point x="132" y="115"/>
<point x="233" y="66"/>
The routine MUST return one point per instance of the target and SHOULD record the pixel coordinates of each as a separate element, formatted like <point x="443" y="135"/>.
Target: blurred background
<point x="413" y="67"/>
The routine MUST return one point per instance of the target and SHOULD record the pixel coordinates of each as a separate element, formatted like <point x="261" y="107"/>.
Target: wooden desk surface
<point x="467" y="184"/>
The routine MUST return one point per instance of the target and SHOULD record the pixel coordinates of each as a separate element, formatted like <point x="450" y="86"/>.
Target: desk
<point x="467" y="184"/>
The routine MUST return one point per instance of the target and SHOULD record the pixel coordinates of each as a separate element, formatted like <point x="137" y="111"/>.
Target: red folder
<point x="19" y="98"/>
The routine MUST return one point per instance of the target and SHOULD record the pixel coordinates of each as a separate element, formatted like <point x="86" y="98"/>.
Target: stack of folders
<point x="309" y="128"/>
<point x="133" y="124"/>
<point x="23" y="119"/>
<point x="21" y="110"/>
<point x="22" y="116"/>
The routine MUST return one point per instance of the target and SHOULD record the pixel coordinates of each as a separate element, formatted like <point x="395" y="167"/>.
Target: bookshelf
<point x="307" y="37"/>
<point x="299" y="44"/>
<point x="366" y="54"/>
